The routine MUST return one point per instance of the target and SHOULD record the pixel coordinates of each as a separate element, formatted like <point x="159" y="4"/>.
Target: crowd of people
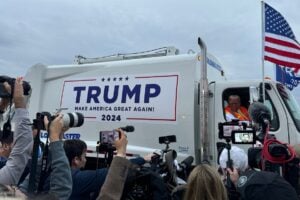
<point x="66" y="179"/>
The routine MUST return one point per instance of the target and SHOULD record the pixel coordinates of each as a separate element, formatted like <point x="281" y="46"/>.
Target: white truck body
<point x="159" y="96"/>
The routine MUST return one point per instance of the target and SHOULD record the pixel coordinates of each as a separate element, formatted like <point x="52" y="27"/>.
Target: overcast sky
<point x="54" y="31"/>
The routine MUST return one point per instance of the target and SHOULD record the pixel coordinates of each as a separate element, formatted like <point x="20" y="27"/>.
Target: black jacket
<point x="257" y="185"/>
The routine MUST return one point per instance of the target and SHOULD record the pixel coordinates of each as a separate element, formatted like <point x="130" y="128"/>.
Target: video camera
<point x="237" y="132"/>
<point x="274" y="156"/>
<point x="273" y="150"/>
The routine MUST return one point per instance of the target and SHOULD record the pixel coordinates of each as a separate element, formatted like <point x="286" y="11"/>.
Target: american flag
<point x="281" y="46"/>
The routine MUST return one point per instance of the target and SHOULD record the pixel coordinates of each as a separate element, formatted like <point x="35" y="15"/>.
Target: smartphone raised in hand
<point x="109" y="137"/>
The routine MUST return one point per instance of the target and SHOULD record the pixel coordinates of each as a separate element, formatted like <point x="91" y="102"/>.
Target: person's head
<point x="238" y="157"/>
<point x="205" y="183"/>
<point x="76" y="153"/>
<point x="256" y="185"/>
<point x="234" y="102"/>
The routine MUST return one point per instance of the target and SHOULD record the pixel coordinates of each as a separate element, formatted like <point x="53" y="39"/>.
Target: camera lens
<point x="73" y="119"/>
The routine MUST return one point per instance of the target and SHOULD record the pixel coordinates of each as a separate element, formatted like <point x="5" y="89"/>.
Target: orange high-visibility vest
<point x="241" y="114"/>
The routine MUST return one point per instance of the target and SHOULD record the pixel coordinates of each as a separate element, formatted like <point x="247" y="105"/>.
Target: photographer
<point x="18" y="158"/>
<point x="257" y="185"/>
<point x="239" y="161"/>
<point x="86" y="183"/>
<point x="60" y="177"/>
<point x="238" y="156"/>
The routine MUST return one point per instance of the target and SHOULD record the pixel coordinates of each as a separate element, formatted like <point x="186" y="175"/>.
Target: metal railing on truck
<point x="164" y="51"/>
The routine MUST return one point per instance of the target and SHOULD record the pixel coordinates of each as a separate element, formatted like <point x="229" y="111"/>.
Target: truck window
<point x="245" y="98"/>
<point x="243" y="95"/>
<point x="290" y="103"/>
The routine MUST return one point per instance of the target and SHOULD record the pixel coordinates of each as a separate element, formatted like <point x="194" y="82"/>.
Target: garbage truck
<point x="159" y="93"/>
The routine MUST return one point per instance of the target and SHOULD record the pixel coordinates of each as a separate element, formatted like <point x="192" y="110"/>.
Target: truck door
<point x="292" y="110"/>
<point x="212" y="120"/>
<point x="218" y="102"/>
<point x="279" y="115"/>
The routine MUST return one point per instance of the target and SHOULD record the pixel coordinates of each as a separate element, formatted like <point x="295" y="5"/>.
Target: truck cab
<point x="285" y="112"/>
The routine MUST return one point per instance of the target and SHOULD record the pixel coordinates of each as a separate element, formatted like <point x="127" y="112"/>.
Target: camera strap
<point x="34" y="161"/>
<point x="45" y="167"/>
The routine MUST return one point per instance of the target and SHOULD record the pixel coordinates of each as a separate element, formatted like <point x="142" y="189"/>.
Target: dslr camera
<point x="70" y="120"/>
<point x="11" y="82"/>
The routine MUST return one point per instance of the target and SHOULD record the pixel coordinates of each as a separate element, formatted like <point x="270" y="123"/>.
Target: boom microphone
<point x="128" y="128"/>
<point x="259" y="113"/>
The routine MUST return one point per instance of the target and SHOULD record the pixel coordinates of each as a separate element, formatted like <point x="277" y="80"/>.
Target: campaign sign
<point x="123" y="98"/>
<point x="287" y="76"/>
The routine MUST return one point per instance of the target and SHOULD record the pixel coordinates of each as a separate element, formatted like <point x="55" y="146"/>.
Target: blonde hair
<point x="205" y="183"/>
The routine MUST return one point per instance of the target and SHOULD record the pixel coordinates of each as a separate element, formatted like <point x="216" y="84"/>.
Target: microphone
<point x="259" y="113"/>
<point x="186" y="163"/>
<point x="128" y="128"/>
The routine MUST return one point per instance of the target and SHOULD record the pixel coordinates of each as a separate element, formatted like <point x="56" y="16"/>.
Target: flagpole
<point x="263" y="47"/>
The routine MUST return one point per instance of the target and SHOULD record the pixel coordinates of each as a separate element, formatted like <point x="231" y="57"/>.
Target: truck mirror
<point x="254" y="94"/>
